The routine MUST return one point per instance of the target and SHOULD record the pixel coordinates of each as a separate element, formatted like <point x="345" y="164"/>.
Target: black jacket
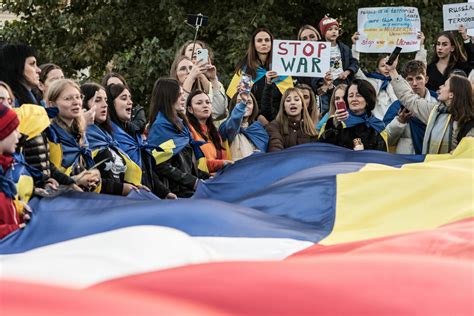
<point x="344" y="137"/>
<point x="180" y="173"/>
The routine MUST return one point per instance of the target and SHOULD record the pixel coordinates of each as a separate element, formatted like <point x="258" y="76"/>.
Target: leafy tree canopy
<point x="140" y="38"/>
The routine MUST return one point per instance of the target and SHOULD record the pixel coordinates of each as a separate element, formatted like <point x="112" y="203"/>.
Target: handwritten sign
<point x="382" y="29"/>
<point x="301" y="58"/>
<point x="470" y="32"/>
<point x="457" y="14"/>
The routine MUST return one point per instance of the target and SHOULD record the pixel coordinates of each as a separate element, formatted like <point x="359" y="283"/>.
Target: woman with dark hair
<point x="178" y="157"/>
<point x="119" y="101"/>
<point x="49" y="73"/>
<point x="113" y="78"/>
<point x="202" y="129"/>
<point x="245" y="134"/>
<point x="138" y="121"/>
<point x="448" y="120"/>
<point x="256" y="62"/>
<point x="356" y="127"/>
<point x="293" y="124"/>
<point x="119" y="173"/>
<point x="19" y="70"/>
<point x="448" y="55"/>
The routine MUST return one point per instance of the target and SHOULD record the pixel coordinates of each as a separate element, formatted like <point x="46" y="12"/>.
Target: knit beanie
<point x="8" y="121"/>
<point x="325" y="24"/>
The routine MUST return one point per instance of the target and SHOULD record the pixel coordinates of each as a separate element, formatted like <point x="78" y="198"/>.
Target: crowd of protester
<point x="58" y="136"/>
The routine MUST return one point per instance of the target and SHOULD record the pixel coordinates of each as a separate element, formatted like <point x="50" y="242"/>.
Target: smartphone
<point x="245" y="81"/>
<point x="202" y="54"/>
<point x="394" y="55"/>
<point x="341" y="105"/>
<point x="197" y="19"/>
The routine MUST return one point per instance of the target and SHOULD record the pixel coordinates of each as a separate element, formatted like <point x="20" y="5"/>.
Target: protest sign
<point x="457" y="14"/>
<point x="301" y="58"/>
<point x="382" y="29"/>
<point x="470" y="32"/>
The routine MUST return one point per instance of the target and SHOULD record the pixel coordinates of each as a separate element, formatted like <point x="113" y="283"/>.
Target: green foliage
<point x="141" y="37"/>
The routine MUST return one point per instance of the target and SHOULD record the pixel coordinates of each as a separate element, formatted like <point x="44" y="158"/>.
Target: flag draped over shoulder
<point x="368" y="228"/>
<point x="282" y="82"/>
<point x="100" y="140"/>
<point x="166" y="141"/>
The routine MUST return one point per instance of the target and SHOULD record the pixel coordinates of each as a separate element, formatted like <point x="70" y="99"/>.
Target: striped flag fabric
<point x="313" y="229"/>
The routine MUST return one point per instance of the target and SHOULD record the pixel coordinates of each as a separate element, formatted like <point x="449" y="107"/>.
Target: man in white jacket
<point x="399" y="130"/>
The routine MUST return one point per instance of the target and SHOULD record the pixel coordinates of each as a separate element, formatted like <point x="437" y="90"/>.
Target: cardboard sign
<point x="382" y="29"/>
<point x="301" y="58"/>
<point x="457" y="14"/>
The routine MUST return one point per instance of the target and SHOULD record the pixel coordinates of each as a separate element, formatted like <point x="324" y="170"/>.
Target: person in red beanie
<point x="343" y="65"/>
<point x="9" y="135"/>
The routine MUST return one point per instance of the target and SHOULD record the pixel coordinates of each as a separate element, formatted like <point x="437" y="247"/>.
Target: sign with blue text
<point x="382" y="29"/>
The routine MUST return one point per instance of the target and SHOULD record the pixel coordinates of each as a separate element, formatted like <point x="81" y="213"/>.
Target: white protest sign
<point x="382" y="29"/>
<point x="470" y="32"/>
<point x="457" y="14"/>
<point x="301" y="58"/>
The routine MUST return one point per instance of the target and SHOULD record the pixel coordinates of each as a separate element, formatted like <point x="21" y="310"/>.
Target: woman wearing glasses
<point x="68" y="144"/>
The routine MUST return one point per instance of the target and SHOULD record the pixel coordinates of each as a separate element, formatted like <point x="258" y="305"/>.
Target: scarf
<point x="376" y="75"/>
<point x="163" y="131"/>
<point x="369" y="121"/>
<point x="71" y="150"/>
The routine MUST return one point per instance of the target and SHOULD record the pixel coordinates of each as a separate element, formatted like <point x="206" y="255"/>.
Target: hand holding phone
<point x="393" y="56"/>
<point x="245" y="83"/>
<point x="341" y="105"/>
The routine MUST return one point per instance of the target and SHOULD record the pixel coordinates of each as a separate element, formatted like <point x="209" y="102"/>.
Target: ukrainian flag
<point x="282" y="82"/>
<point x="166" y="141"/>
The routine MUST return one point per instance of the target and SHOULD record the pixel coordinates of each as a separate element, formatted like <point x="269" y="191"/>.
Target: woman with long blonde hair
<point x="293" y="124"/>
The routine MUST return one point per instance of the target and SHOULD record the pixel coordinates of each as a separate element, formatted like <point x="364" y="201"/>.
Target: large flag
<point x="360" y="232"/>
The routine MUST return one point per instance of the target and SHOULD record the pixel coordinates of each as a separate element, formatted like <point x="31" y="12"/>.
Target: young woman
<point x="448" y="120"/>
<point x="448" y="55"/>
<point x="138" y="121"/>
<point x="119" y="173"/>
<point x="337" y="95"/>
<point x="356" y="127"/>
<point x="119" y="101"/>
<point x="200" y="76"/>
<point x="19" y="70"/>
<point x="49" y="73"/>
<point x="311" y="101"/>
<point x="245" y="134"/>
<point x="308" y="33"/>
<point x="202" y="129"/>
<point x="6" y="95"/>
<point x="256" y="61"/>
<point x="176" y="153"/>
<point x="187" y="50"/>
<point x="69" y="150"/>
<point x="293" y="124"/>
